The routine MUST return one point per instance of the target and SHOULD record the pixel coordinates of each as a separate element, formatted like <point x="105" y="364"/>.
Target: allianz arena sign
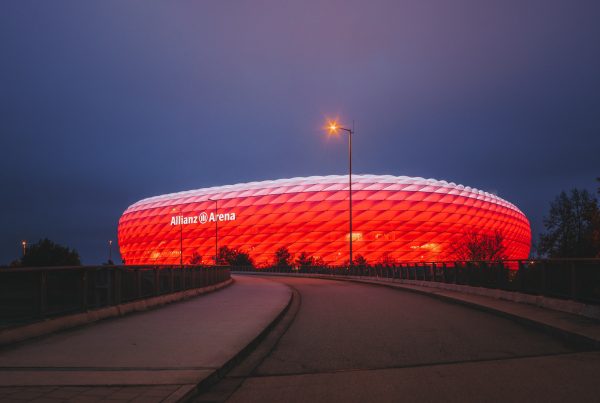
<point x="202" y="218"/>
<point x="395" y="219"/>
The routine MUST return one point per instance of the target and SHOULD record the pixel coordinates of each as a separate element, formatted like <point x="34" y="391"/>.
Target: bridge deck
<point x="159" y="352"/>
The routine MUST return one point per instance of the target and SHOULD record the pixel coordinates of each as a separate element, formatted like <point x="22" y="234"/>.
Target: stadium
<point x="395" y="219"/>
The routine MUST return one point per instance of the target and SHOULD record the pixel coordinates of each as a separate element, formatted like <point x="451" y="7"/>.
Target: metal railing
<point x="575" y="279"/>
<point x="29" y="294"/>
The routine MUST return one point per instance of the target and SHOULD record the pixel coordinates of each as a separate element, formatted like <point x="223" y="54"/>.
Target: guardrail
<point x="575" y="279"/>
<point x="28" y="294"/>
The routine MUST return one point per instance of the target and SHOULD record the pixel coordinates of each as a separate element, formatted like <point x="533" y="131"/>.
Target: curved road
<point x="357" y="342"/>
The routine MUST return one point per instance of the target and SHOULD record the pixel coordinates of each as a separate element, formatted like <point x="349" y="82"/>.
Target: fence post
<point x="543" y="287"/>
<point x="469" y="267"/>
<point x="84" y="289"/>
<point x="171" y="280"/>
<point x="110" y="279"/>
<point x="520" y="274"/>
<point x="498" y="275"/>
<point x="43" y="293"/>
<point x="156" y="272"/>
<point x="456" y="271"/>
<point x="574" y="287"/>
<point x="118" y="286"/>
<point x="138" y="283"/>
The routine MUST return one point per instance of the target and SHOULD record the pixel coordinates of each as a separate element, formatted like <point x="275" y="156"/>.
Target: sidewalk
<point x="159" y="355"/>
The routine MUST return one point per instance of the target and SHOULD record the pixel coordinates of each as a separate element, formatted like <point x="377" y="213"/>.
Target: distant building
<point x="395" y="219"/>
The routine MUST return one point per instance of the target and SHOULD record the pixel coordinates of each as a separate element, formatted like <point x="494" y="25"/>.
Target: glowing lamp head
<point x="333" y="127"/>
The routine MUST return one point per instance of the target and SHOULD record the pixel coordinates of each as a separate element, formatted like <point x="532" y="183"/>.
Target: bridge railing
<point x="28" y="294"/>
<point x="575" y="279"/>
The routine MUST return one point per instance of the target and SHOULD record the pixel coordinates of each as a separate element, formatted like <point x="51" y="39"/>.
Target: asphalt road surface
<point x="354" y="342"/>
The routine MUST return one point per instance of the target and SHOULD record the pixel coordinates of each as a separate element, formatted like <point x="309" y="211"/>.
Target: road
<point x="357" y="342"/>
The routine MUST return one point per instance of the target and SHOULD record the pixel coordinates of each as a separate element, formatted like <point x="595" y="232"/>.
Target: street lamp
<point x="216" y="228"/>
<point x="180" y="218"/>
<point x="110" y="251"/>
<point x="24" y="244"/>
<point x="334" y="128"/>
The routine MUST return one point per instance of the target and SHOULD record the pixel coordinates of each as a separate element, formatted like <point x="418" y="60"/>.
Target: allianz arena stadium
<point x="395" y="219"/>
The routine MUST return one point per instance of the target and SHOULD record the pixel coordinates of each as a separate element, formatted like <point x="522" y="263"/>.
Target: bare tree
<point x="196" y="258"/>
<point x="572" y="226"/>
<point x="476" y="246"/>
<point x="234" y="257"/>
<point x="305" y="260"/>
<point x="360" y="262"/>
<point x="387" y="259"/>
<point x="283" y="257"/>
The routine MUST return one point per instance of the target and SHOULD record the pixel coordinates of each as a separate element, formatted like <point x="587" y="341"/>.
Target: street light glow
<point x="333" y="127"/>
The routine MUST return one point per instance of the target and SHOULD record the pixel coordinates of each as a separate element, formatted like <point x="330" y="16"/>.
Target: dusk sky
<point x="104" y="103"/>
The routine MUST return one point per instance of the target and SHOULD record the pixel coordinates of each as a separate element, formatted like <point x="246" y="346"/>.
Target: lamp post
<point x="334" y="128"/>
<point x="180" y="238"/>
<point x="216" y="229"/>
<point x="24" y="245"/>
<point x="180" y="218"/>
<point x="110" y="251"/>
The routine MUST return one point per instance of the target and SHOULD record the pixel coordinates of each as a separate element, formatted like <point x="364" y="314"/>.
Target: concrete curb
<point x="562" y="305"/>
<point x="37" y="329"/>
<point x="220" y="373"/>
<point x="182" y="394"/>
<point x="571" y="335"/>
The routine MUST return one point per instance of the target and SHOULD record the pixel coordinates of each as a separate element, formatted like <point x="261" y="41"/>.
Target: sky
<point x="104" y="103"/>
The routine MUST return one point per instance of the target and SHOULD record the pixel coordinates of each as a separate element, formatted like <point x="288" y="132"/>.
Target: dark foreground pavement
<point x="153" y="356"/>
<point x="357" y="342"/>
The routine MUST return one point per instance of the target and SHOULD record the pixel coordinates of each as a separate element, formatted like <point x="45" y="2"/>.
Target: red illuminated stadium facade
<point x="395" y="219"/>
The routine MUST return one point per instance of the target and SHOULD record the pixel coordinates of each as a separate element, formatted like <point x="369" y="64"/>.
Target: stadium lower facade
<point x="395" y="219"/>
